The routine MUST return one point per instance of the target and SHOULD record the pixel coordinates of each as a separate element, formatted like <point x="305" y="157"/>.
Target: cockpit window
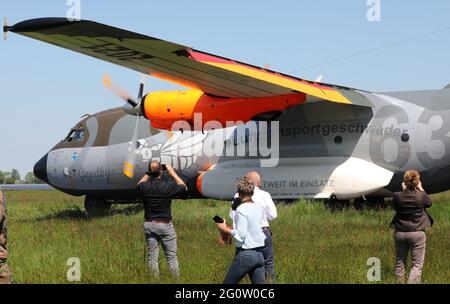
<point x="75" y="136"/>
<point x="79" y="136"/>
<point x="69" y="137"/>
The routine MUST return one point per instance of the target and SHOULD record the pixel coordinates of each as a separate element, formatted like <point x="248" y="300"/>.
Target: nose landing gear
<point x="96" y="207"/>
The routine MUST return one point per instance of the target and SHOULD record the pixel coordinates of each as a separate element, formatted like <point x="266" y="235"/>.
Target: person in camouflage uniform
<point x="5" y="276"/>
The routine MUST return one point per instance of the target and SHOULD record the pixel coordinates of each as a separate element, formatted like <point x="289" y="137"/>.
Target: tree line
<point x="13" y="177"/>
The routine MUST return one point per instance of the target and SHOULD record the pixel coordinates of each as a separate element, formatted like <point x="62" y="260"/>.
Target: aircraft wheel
<point x="359" y="203"/>
<point x="376" y="203"/>
<point x="342" y="205"/>
<point x="330" y="203"/>
<point x="336" y="205"/>
<point x="96" y="207"/>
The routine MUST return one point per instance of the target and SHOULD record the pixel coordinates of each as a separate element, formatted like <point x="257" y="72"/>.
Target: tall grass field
<point x="312" y="244"/>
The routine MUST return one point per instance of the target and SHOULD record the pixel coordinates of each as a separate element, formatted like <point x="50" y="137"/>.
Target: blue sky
<point x="44" y="89"/>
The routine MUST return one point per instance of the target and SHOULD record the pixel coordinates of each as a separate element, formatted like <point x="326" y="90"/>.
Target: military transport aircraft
<point x="333" y="141"/>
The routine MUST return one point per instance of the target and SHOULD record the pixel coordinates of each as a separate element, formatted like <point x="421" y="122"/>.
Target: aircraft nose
<point x="40" y="169"/>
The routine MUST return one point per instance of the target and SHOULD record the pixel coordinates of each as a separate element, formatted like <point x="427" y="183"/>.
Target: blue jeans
<point x="269" y="260"/>
<point x="249" y="262"/>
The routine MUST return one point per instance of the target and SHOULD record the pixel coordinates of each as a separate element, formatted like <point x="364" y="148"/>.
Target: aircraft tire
<point x="376" y="203"/>
<point x="96" y="207"/>
<point x="359" y="203"/>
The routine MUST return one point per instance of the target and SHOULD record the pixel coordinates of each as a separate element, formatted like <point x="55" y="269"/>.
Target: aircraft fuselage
<point x="324" y="149"/>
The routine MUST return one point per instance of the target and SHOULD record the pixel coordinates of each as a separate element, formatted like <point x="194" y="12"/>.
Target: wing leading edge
<point x="177" y="63"/>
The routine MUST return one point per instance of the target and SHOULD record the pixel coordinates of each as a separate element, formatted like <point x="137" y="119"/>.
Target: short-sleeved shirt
<point x="157" y="197"/>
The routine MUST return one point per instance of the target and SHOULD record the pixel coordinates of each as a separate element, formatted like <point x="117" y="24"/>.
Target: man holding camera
<point x="157" y="188"/>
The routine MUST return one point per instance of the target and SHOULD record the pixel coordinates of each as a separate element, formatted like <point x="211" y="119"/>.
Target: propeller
<point x="132" y="107"/>
<point x="5" y="28"/>
<point x="130" y="161"/>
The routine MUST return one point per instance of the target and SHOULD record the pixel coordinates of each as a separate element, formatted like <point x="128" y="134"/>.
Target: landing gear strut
<point x="96" y="207"/>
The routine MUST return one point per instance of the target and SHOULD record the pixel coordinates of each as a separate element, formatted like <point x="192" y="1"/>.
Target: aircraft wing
<point x="177" y="63"/>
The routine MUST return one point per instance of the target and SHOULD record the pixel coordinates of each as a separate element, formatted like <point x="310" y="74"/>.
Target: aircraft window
<point x="405" y="137"/>
<point x="69" y="137"/>
<point x="75" y="136"/>
<point x="338" y="140"/>
<point x="79" y="136"/>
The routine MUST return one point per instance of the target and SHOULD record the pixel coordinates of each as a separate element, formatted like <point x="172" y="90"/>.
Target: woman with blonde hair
<point x="410" y="221"/>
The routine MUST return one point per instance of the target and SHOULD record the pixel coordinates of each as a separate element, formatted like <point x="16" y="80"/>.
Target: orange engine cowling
<point x="163" y="109"/>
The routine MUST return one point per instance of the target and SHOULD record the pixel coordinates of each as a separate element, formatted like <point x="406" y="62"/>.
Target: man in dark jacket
<point x="410" y="221"/>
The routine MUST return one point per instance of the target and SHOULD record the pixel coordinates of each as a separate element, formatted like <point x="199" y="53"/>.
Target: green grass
<point x="312" y="245"/>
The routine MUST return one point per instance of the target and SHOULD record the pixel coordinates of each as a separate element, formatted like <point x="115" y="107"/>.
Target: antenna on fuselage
<point x="85" y="115"/>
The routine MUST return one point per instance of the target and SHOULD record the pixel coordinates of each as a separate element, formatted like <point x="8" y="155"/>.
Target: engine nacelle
<point x="163" y="109"/>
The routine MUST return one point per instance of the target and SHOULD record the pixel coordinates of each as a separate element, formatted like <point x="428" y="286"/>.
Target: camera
<point x="218" y="219"/>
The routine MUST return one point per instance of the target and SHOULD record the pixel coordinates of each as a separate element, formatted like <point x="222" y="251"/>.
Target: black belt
<point x="255" y="249"/>
<point x="162" y="221"/>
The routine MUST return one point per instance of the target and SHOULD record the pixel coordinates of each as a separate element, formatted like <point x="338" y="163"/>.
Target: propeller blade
<point x="141" y="88"/>
<point x="130" y="161"/>
<point x="107" y="83"/>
